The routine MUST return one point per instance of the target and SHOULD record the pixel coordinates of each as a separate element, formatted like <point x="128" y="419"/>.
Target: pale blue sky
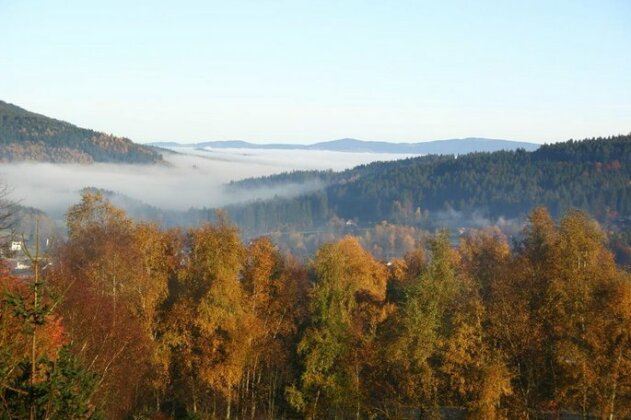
<point x="305" y="71"/>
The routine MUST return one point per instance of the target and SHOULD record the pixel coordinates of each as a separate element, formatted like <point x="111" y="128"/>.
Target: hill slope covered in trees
<point x="25" y="135"/>
<point x="592" y="174"/>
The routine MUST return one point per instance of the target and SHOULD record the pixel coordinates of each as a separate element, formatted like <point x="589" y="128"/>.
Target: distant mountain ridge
<point x="25" y="135"/>
<point x="440" y="147"/>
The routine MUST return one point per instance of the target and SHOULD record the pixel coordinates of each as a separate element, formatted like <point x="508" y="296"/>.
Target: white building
<point x="16" y="246"/>
<point x="22" y="265"/>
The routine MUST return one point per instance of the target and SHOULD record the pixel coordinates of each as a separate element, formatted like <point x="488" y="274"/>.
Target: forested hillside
<point x="25" y="135"/>
<point x="133" y="321"/>
<point x="592" y="174"/>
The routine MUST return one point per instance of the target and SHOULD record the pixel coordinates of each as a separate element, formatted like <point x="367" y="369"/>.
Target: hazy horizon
<point x="393" y="141"/>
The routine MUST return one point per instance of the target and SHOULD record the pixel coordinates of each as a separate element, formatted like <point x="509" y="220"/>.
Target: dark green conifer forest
<point x="591" y="174"/>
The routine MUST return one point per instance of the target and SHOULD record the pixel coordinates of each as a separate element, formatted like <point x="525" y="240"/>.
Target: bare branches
<point x="7" y="213"/>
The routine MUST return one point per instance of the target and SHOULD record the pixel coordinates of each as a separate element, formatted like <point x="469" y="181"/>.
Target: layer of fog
<point x="191" y="178"/>
<point x="461" y="221"/>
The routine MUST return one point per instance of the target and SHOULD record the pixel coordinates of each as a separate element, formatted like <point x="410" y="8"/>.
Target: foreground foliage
<point x="198" y="324"/>
<point x="40" y="377"/>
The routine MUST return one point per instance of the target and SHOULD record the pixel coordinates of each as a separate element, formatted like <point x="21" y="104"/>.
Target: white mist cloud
<point x="193" y="178"/>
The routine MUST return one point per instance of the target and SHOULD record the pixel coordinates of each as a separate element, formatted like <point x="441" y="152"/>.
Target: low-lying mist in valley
<point x="190" y="177"/>
<point x="198" y="179"/>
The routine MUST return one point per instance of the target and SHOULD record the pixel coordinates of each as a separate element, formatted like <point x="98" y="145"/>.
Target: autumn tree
<point x="208" y="320"/>
<point x="476" y="370"/>
<point x="516" y="293"/>
<point x="275" y="289"/>
<point x="113" y="275"/>
<point x="346" y="307"/>
<point x="556" y="310"/>
<point x="39" y="376"/>
<point x="591" y="322"/>
<point x="412" y="335"/>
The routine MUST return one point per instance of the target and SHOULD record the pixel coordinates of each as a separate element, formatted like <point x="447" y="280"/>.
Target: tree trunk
<point x="35" y="262"/>
<point x="315" y="404"/>
<point x="194" y="399"/>
<point x="614" y="387"/>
